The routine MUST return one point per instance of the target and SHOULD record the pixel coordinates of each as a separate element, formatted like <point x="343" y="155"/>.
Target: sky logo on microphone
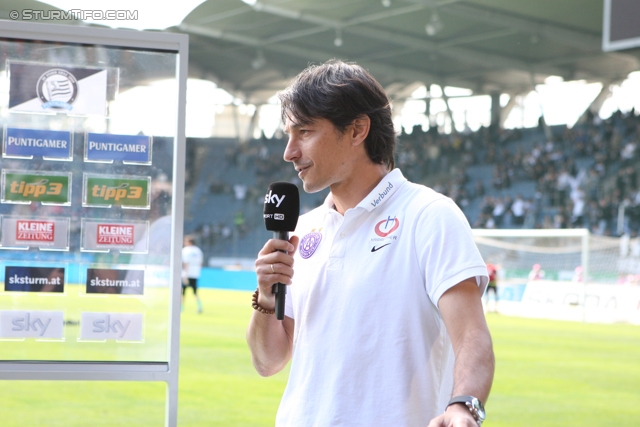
<point x="273" y="198"/>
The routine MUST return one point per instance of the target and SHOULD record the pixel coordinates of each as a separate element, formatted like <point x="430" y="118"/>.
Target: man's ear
<point x="359" y="129"/>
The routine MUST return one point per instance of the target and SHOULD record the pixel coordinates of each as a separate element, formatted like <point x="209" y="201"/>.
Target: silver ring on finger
<point x="272" y="270"/>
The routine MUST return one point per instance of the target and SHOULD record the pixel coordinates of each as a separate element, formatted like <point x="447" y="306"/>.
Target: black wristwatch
<point x="473" y="404"/>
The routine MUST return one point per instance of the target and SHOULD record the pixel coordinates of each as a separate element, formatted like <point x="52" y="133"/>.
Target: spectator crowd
<point x="581" y="177"/>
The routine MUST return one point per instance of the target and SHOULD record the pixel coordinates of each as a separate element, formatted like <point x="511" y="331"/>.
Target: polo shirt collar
<point x="383" y="191"/>
<point x="387" y="186"/>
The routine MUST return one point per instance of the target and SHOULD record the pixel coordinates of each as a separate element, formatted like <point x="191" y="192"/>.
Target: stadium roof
<point x="252" y="48"/>
<point x="485" y="45"/>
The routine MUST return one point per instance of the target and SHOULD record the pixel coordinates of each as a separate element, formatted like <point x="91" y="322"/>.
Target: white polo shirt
<point x="369" y="345"/>
<point x="192" y="256"/>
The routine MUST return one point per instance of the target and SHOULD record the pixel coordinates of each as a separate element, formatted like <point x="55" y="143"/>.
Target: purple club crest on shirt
<point x="309" y="244"/>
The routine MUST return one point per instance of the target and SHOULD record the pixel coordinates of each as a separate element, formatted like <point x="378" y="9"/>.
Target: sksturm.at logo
<point x="57" y="88"/>
<point x="309" y="244"/>
<point x="387" y="226"/>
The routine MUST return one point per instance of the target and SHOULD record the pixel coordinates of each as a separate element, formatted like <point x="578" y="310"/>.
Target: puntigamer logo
<point x="26" y="143"/>
<point x="126" y="192"/>
<point x="103" y="147"/>
<point x="26" y="188"/>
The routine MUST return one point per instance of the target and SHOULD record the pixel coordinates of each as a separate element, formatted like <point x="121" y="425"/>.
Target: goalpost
<point x="585" y="277"/>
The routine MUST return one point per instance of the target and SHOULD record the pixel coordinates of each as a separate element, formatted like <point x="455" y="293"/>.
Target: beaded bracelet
<point x="257" y="307"/>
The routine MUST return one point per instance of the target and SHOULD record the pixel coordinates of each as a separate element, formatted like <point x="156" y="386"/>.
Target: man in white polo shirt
<point x="192" y="259"/>
<point x="384" y="323"/>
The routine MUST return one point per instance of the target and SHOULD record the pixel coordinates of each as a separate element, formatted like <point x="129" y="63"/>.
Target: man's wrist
<point x="471" y="405"/>
<point x="458" y="407"/>
<point x="263" y="303"/>
<point x="267" y="300"/>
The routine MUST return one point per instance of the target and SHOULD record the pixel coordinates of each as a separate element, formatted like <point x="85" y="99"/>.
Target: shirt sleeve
<point x="446" y="250"/>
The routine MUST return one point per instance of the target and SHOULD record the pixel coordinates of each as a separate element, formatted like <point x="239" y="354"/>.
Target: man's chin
<point x="311" y="188"/>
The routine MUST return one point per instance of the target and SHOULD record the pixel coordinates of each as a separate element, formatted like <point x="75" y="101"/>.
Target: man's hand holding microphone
<point x="274" y="265"/>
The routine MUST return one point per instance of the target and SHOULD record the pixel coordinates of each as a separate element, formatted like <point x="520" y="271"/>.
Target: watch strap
<point x="477" y="412"/>
<point x="460" y="399"/>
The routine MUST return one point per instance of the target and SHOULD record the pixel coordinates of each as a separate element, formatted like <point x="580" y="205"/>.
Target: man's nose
<point x="291" y="151"/>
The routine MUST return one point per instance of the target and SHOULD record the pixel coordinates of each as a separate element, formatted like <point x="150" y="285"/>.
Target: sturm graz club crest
<point x="57" y="88"/>
<point x="310" y="243"/>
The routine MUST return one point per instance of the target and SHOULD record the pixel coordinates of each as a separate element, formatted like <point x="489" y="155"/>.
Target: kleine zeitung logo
<point x="115" y="234"/>
<point x="35" y="231"/>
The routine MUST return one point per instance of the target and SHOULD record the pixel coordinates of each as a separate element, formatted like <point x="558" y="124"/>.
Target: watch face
<point x="478" y="409"/>
<point x="474" y="405"/>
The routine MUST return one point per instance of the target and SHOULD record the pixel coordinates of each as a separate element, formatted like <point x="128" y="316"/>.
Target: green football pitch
<point x="548" y="374"/>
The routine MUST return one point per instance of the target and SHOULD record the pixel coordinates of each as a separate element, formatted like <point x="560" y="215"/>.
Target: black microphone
<point x="281" y="212"/>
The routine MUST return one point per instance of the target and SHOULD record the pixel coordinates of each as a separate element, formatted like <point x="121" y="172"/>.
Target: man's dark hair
<point x="341" y="92"/>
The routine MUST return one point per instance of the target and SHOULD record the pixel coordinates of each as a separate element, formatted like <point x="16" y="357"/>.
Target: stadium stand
<point x="583" y="177"/>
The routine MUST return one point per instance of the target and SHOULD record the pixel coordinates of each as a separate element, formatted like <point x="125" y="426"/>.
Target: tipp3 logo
<point x="25" y="188"/>
<point x="130" y="192"/>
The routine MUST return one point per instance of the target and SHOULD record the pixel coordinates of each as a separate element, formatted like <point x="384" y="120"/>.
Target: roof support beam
<point x="306" y="54"/>
<point x="222" y="16"/>
<point x="325" y="24"/>
<point x="582" y="40"/>
<point x="421" y="44"/>
<point x="473" y="56"/>
<point x="578" y="39"/>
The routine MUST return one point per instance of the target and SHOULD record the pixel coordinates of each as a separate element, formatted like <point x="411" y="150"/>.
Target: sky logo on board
<point x="111" y="326"/>
<point x="31" y="324"/>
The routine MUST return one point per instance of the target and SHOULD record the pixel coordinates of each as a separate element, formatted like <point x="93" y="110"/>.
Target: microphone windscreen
<point x="281" y="207"/>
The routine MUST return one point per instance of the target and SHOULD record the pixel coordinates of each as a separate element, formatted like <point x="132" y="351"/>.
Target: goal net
<point x="564" y="274"/>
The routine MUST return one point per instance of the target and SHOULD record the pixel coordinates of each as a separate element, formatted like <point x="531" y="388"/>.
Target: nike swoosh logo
<point x="373" y="249"/>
